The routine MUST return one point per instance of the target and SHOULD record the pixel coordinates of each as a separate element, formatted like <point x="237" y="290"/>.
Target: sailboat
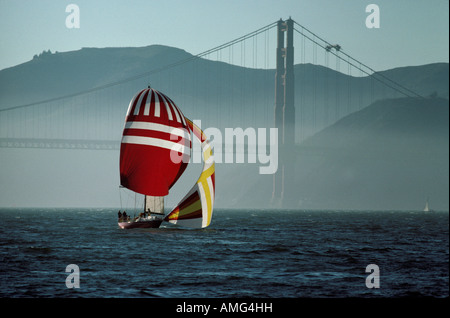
<point x="427" y="207"/>
<point x="155" y="151"/>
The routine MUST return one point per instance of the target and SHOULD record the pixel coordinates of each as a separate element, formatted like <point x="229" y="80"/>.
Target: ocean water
<point x="244" y="253"/>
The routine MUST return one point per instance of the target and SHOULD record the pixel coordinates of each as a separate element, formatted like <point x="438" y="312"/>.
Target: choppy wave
<point x="242" y="254"/>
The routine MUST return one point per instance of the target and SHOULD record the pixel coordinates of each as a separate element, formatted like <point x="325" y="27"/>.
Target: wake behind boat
<point x="154" y="153"/>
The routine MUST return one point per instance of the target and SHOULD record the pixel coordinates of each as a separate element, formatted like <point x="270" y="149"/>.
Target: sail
<point x="154" y="204"/>
<point x="196" y="208"/>
<point x="156" y="144"/>
<point x="427" y="208"/>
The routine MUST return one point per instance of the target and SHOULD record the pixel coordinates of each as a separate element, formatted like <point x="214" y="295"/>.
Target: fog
<point x="393" y="155"/>
<point x="358" y="146"/>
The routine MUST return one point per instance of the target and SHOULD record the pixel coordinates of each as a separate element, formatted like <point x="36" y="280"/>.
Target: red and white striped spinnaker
<point x="154" y="127"/>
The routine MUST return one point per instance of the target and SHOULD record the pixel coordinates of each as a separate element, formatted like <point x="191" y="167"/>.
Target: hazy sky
<point x="412" y="32"/>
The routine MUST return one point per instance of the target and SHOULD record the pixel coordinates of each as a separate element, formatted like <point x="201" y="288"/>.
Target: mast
<point x="154" y="204"/>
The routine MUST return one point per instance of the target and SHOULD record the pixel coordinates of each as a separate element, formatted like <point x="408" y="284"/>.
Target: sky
<point x="411" y="32"/>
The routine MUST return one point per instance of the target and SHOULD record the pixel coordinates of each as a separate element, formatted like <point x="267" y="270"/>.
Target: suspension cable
<point x="153" y="71"/>
<point x="355" y="60"/>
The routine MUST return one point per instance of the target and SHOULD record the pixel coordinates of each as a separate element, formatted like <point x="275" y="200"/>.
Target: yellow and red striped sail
<point x="196" y="208"/>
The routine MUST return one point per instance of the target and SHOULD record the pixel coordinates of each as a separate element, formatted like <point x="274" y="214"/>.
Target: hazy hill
<point x="425" y="79"/>
<point x="392" y="155"/>
<point x="220" y="94"/>
<point x="50" y="75"/>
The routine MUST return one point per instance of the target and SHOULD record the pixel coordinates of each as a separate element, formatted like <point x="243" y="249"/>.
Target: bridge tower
<point x="284" y="110"/>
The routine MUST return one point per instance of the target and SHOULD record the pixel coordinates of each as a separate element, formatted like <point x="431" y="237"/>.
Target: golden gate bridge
<point x="301" y="86"/>
<point x="40" y="123"/>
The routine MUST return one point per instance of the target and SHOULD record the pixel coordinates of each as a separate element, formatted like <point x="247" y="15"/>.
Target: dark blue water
<point x="242" y="254"/>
